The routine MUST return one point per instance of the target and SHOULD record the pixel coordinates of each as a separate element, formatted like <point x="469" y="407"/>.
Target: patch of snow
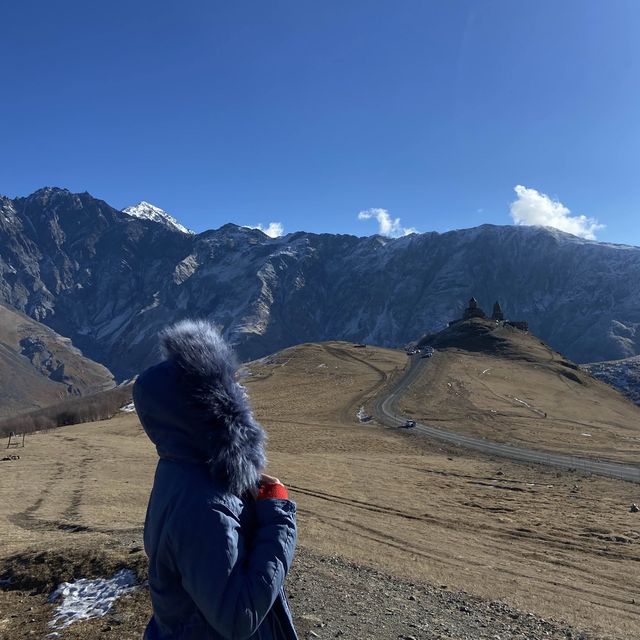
<point x="128" y="408"/>
<point x="147" y="211"/>
<point x="526" y="404"/>
<point x="85" y="599"/>
<point x="152" y="305"/>
<point x="623" y="375"/>
<point x="362" y="415"/>
<point x="113" y="327"/>
<point x="185" y="269"/>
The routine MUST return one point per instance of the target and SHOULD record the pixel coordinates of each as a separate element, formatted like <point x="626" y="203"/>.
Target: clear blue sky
<point x="307" y="112"/>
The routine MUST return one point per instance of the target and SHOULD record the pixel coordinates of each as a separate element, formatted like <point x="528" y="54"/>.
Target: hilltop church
<point x="474" y="311"/>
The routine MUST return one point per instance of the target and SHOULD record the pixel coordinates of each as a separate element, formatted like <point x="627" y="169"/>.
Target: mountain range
<point x="110" y="280"/>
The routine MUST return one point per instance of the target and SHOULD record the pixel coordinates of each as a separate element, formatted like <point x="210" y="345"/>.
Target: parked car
<point x="409" y="424"/>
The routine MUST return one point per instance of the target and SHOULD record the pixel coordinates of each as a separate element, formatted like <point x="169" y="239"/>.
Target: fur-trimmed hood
<point x="193" y="409"/>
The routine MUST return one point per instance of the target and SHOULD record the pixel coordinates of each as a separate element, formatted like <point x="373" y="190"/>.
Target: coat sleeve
<point x="234" y="596"/>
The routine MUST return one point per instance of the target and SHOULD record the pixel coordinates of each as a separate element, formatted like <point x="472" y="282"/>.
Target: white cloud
<point x="386" y="225"/>
<point x="273" y="229"/>
<point x="534" y="208"/>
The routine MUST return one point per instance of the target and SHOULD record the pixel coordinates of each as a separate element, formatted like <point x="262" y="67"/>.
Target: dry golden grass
<point x="508" y="386"/>
<point x="557" y="544"/>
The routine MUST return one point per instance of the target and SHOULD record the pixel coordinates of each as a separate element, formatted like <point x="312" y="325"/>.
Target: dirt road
<point x="384" y="408"/>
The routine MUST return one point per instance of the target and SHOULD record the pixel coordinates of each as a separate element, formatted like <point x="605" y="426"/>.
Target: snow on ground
<point x="526" y="404"/>
<point x="362" y="415"/>
<point x="84" y="599"/>
<point x="624" y="375"/>
<point x="128" y="408"/>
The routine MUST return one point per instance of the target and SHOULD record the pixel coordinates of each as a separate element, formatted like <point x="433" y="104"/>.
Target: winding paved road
<point x="384" y="409"/>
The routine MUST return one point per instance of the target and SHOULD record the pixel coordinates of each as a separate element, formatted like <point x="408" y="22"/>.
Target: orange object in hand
<point x="275" y="490"/>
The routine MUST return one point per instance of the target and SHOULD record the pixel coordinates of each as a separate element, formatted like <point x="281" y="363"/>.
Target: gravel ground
<point x="330" y="598"/>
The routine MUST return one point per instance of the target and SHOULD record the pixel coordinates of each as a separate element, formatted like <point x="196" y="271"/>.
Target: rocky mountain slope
<point x="38" y="367"/>
<point x="110" y="281"/>
<point x="623" y="374"/>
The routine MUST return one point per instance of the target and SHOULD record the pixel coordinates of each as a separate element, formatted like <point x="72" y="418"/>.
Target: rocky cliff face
<point x="110" y="281"/>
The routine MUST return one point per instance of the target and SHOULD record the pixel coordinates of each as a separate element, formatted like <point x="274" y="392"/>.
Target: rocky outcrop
<point x="110" y="281"/>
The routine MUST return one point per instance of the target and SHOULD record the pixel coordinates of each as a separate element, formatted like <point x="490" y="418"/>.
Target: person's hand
<point x="271" y="487"/>
<point x="265" y="479"/>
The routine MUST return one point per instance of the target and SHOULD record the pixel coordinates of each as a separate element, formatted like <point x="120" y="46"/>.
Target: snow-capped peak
<point x="147" y="211"/>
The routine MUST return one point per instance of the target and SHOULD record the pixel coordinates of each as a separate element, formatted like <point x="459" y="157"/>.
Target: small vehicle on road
<point x="408" y="424"/>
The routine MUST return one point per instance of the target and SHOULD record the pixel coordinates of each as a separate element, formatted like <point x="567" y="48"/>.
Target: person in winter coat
<point x="220" y="535"/>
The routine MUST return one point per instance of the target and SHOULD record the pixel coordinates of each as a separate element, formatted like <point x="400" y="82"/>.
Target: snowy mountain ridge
<point x="111" y="281"/>
<point x="148" y="211"/>
<point x="624" y="375"/>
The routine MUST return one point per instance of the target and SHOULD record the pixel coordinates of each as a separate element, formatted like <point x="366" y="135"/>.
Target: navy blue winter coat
<point x="217" y="557"/>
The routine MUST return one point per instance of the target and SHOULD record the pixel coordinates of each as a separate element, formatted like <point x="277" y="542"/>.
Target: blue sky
<point x="307" y="113"/>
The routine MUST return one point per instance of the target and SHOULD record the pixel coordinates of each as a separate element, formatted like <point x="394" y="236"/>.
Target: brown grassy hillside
<point x="506" y="385"/>
<point x="39" y="367"/>
<point x="557" y="544"/>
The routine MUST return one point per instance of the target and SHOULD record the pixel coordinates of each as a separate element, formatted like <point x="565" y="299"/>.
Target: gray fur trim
<point x="208" y="370"/>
